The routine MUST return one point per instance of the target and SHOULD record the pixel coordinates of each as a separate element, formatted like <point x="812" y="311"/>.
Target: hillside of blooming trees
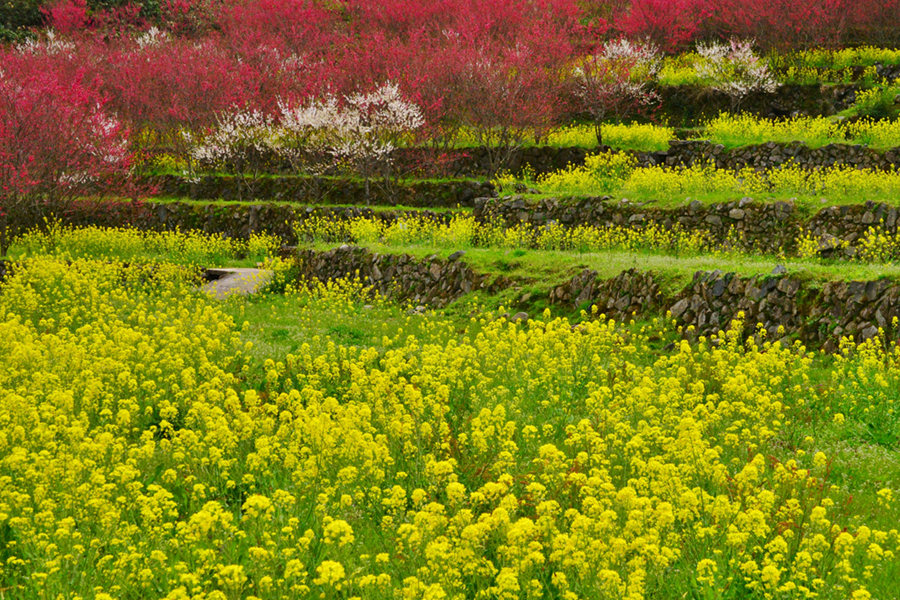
<point x="119" y="81"/>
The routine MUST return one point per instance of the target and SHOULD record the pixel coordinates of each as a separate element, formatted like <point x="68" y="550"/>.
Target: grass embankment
<point x="542" y="269"/>
<point x="378" y="208"/>
<point x="805" y="204"/>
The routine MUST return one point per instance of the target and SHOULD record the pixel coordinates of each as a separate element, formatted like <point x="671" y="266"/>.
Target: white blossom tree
<point x="615" y="81"/>
<point x="735" y="70"/>
<point x="360" y="132"/>
<point x="305" y="138"/>
<point x="370" y="127"/>
<point x="241" y="143"/>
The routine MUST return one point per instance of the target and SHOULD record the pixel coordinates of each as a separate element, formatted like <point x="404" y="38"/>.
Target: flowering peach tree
<point x="57" y="144"/>
<point x="615" y="81"/>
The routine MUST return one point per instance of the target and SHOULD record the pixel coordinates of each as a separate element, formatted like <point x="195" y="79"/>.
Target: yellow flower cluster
<point x="816" y="65"/>
<point x="829" y="58"/>
<point x="463" y="231"/>
<point x="128" y="244"/>
<point x="143" y="454"/>
<point x="635" y="136"/>
<point x="875" y="245"/>
<point x="619" y="173"/>
<point x="747" y="129"/>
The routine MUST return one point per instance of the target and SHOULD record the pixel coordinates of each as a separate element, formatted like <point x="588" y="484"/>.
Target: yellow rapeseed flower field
<point x="146" y="451"/>
<point x="877" y="245"/>
<point x="619" y="173"/>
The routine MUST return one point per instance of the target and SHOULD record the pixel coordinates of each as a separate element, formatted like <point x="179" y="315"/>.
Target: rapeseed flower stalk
<point x="192" y="247"/>
<point x="618" y="173"/>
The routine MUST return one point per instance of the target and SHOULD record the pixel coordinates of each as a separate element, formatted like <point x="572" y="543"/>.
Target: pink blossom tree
<point x="57" y="144"/>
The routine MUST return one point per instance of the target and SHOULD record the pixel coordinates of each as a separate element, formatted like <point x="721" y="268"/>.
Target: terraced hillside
<point x="559" y="314"/>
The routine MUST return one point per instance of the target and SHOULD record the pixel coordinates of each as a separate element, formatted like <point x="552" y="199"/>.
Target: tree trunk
<point x="4" y="236"/>
<point x="598" y="132"/>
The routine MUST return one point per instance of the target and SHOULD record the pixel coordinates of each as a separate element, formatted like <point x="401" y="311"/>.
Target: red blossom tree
<point x="502" y="100"/>
<point x="669" y="24"/>
<point x="67" y="16"/>
<point x="57" y="144"/>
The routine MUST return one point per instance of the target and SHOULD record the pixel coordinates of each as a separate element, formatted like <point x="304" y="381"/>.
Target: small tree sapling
<point x="734" y="70"/>
<point x="615" y="81"/>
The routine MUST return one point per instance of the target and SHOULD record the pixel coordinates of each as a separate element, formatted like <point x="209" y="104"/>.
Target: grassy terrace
<point x="805" y="204"/>
<point x="540" y="269"/>
<point x="244" y="203"/>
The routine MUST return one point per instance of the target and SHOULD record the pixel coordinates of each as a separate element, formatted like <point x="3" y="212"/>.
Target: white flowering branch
<point x="241" y="143"/>
<point x="735" y="70"/>
<point x="615" y="81"/>
<point x="50" y="44"/>
<point x="151" y="38"/>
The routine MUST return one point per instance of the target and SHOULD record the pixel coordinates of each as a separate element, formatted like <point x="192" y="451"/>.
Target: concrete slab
<point x="236" y="281"/>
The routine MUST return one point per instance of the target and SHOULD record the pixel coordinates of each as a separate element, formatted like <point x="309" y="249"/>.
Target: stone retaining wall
<point x="785" y="306"/>
<point x="687" y="105"/>
<point x="429" y="282"/>
<point x="765" y="227"/>
<point x="772" y="154"/>
<point x="746" y="223"/>
<point x="788" y="306"/>
<point x="629" y="293"/>
<point x="332" y="191"/>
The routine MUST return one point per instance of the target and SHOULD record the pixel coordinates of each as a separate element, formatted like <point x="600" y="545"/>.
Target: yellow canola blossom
<point x="131" y="245"/>
<point x="875" y="245"/>
<point x="463" y="231"/>
<point x="144" y="455"/>
<point x="619" y="173"/>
